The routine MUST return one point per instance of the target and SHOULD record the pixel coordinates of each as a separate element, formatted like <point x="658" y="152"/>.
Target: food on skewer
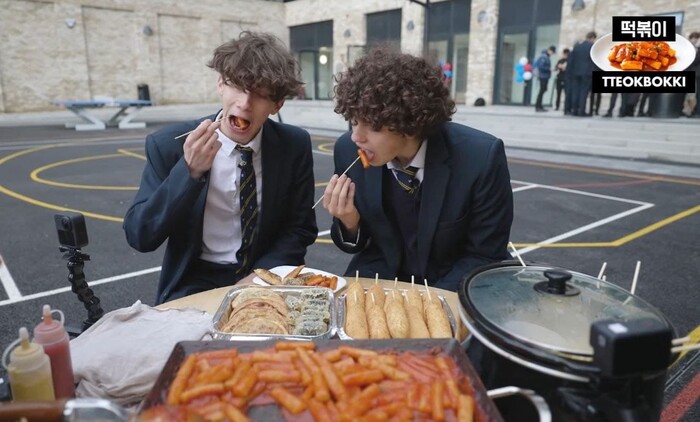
<point x="379" y="296"/>
<point x="436" y="318"/>
<point x="363" y="158"/>
<point x="355" y="318"/>
<point x="356" y="289"/>
<point x="396" y="317"/>
<point x="376" y="319"/>
<point x="240" y="123"/>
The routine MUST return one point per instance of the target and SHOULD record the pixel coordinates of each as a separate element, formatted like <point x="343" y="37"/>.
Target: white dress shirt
<point x="221" y="235"/>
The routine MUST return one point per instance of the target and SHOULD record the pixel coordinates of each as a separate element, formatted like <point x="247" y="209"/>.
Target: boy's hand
<point x="201" y="147"/>
<point x="339" y="200"/>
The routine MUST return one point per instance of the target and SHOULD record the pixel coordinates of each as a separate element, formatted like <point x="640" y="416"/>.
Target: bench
<point x="127" y="110"/>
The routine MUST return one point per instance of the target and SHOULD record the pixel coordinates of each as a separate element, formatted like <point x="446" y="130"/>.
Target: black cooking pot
<point x="531" y="327"/>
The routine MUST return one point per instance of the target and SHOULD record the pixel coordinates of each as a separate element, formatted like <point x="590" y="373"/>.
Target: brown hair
<point x="259" y="63"/>
<point x="400" y="91"/>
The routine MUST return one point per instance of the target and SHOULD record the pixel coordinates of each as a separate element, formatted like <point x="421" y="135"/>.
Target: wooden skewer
<point x="517" y="255"/>
<point x="376" y="278"/>
<point x="346" y="170"/>
<point x="396" y="282"/>
<point x="427" y="289"/>
<point x="374" y="302"/>
<point x="354" y="292"/>
<point x="602" y="270"/>
<point x="685" y="348"/>
<point x="187" y="133"/>
<point x="636" y="275"/>
<point x="357" y="276"/>
<point x="681" y="340"/>
<point x="413" y="282"/>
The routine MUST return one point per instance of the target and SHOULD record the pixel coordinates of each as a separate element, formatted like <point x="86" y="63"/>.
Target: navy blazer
<point x="170" y="203"/>
<point x="465" y="216"/>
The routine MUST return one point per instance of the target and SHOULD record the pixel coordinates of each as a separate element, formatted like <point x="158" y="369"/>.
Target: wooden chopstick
<point x="346" y="170"/>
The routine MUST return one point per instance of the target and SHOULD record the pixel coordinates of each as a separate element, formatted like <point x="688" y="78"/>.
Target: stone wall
<point x="80" y="49"/>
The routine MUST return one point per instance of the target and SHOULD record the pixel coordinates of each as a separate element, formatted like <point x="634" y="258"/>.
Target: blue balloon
<point x="519" y="79"/>
<point x="448" y="73"/>
<point x="519" y="68"/>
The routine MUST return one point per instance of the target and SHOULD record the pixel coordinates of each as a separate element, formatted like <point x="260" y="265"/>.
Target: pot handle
<point x="545" y="415"/>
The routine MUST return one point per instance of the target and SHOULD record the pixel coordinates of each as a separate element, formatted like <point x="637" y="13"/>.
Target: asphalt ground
<point x="573" y="216"/>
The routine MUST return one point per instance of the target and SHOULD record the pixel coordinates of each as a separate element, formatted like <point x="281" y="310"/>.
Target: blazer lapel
<point x="272" y="155"/>
<point x="435" y="178"/>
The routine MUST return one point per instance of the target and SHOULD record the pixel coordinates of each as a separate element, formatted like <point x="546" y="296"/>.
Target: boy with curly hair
<point x="436" y="200"/>
<point x="236" y="193"/>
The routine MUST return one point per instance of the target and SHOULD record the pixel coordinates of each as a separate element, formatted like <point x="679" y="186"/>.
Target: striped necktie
<point x="407" y="179"/>
<point x="249" y="205"/>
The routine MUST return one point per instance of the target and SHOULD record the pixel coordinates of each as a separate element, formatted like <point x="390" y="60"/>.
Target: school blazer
<point x="465" y="214"/>
<point x="170" y="204"/>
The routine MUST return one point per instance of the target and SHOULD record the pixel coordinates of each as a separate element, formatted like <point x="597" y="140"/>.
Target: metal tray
<point x="485" y="409"/>
<point x="224" y="310"/>
<point x="341" y="313"/>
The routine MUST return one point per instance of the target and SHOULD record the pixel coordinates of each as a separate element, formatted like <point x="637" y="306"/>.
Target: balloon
<point x="448" y="73"/>
<point x="527" y="76"/>
<point x="447" y="66"/>
<point x="519" y="68"/>
<point x="519" y="79"/>
<point x="528" y="67"/>
<point x="523" y="61"/>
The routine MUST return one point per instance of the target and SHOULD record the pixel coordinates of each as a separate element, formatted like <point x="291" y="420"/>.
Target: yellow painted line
<point x="320" y="184"/>
<point x="125" y="151"/>
<point x="327" y="147"/>
<point x="568" y="245"/>
<point x="34" y="175"/>
<point x="694" y="338"/>
<point x="20" y="153"/>
<point x="648" y="229"/>
<point x="57" y="207"/>
<point x="607" y="172"/>
<point x="325" y="241"/>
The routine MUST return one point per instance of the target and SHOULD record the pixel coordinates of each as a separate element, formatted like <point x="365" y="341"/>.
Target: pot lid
<point x="549" y="307"/>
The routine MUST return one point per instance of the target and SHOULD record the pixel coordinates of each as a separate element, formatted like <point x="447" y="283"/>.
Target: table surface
<point x="210" y="300"/>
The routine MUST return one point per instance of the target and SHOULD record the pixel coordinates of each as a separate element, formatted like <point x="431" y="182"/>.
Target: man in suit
<point x="580" y="65"/>
<point x="435" y="201"/>
<point x="236" y="194"/>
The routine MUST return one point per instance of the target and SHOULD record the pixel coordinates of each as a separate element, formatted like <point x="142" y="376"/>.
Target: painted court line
<point x="68" y="288"/>
<point x="8" y="283"/>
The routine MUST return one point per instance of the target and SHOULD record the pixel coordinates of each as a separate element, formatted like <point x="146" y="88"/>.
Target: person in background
<point x="643" y="110"/>
<point x="581" y="67"/>
<point x="543" y="65"/>
<point x="560" y="81"/>
<point x="435" y="201"/>
<point x="237" y="193"/>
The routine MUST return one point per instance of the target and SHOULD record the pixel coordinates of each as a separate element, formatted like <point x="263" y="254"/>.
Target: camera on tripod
<point x="72" y="235"/>
<point x="72" y="232"/>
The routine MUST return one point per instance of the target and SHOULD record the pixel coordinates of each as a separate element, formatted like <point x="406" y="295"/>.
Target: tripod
<point x="76" y="261"/>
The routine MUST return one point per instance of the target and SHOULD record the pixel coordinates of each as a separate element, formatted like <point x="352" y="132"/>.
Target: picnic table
<point x="122" y="118"/>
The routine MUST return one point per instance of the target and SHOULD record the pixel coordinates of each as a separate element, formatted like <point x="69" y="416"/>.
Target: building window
<point x="384" y="28"/>
<point x="313" y="46"/>
<point x="448" y="43"/>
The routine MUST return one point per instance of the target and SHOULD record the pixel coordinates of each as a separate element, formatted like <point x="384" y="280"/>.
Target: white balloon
<point x="523" y="61"/>
<point x="527" y="76"/>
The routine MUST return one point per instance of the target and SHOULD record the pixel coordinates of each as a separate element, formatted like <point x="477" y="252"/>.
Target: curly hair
<point x="398" y="91"/>
<point x="259" y="63"/>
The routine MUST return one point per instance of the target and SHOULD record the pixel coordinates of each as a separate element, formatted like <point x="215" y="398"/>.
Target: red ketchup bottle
<point x="51" y="334"/>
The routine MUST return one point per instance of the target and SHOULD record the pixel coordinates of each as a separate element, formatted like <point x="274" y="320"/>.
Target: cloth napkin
<point x="120" y="357"/>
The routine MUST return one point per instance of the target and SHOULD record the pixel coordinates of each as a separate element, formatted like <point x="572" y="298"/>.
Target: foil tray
<point x="342" y="305"/>
<point x="224" y="310"/>
<point x="485" y="409"/>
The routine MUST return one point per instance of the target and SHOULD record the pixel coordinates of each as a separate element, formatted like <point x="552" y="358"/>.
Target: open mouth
<point x="239" y="122"/>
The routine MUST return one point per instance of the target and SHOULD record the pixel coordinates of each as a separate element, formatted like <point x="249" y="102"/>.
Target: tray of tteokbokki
<point x="323" y="380"/>
<point x="275" y="312"/>
<point x="383" y="313"/>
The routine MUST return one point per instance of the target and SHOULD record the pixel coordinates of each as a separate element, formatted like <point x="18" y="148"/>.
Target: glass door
<point x="511" y="88"/>
<point x="307" y="60"/>
<point x="317" y="73"/>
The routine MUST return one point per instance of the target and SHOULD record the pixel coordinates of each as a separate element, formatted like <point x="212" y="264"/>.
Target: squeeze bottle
<point x="51" y="334"/>
<point x="29" y="370"/>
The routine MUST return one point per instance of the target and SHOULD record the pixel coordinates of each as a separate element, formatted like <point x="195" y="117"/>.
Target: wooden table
<point x="210" y="300"/>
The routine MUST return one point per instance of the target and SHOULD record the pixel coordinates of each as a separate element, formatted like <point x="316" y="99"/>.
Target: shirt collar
<point x="228" y="144"/>
<point x="418" y="160"/>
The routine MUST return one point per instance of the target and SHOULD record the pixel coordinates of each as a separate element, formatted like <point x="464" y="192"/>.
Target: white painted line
<point x="585" y="228"/>
<point x="324" y="233"/>
<point x="68" y="288"/>
<point x="8" y="282"/>
<point x="594" y="195"/>
<point x="527" y="187"/>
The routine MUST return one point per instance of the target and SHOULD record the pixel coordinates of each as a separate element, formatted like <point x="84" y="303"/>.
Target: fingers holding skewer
<point x="201" y="147"/>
